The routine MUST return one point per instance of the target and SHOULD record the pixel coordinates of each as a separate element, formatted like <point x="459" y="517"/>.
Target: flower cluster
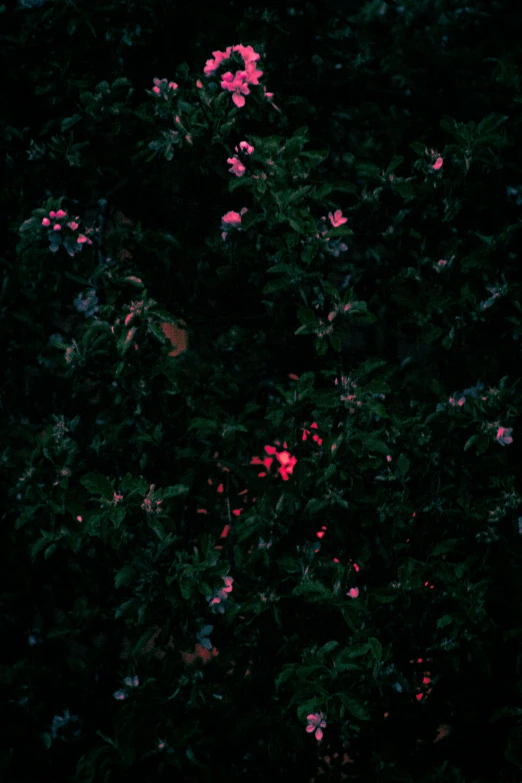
<point x="286" y="461"/>
<point x="71" y="242"/>
<point x="238" y="83"/>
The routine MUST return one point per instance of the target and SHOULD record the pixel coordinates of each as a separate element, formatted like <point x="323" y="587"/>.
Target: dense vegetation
<point x="259" y="442"/>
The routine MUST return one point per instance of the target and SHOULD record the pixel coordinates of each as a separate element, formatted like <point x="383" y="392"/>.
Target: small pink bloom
<point x="232" y="219"/>
<point x="237" y="167"/>
<point x="72" y="225"/>
<point x="46" y="222"/>
<point x="81" y="239"/>
<point x="247" y="53"/>
<point x="57" y="227"/>
<point x="156" y="90"/>
<point x="253" y="73"/>
<point x="438" y="163"/>
<point x="173" y="86"/>
<point x="199" y="85"/>
<point x="61" y="213"/>
<point x="316" y="723"/>
<point x="337" y="218"/>
<point x="504" y="435"/>
<point x="244" y="145"/>
<point x="353" y="592"/>
<point x="52" y="214"/>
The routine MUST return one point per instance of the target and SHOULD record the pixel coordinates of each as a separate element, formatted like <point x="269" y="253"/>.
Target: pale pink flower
<point x="52" y="214"/>
<point x="61" y="213"/>
<point x="337" y="218"/>
<point x="237" y="167"/>
<point x="438" y="163"/>
<point x="72" y="225"/>
<point x="57" y="227"/>
<point x="199" y="84"/>
<point x="173" y="86"/>
<point x="316" y="723"/>
<point x="353" y="592"/>
<point x="156" y="90"/>
<point x="504" y="435"/>
<point x="46" y="222"/>
<point x="81" y="239"/>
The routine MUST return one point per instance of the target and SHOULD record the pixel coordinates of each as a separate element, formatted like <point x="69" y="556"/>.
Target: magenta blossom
<point x="353" y="592"/>
<point x="504" y="435"/>
<point x="46" y="222"/>
<point x="237" y="167"/>
<point x="244" y="145"/>
<point x="233" y="219"/>
<point x="212" y="64"/>
<point x="316" y="723"/>
<point x="438" y="163"/>
<point x="237" y="84"/>
<point x="337" y="218"/>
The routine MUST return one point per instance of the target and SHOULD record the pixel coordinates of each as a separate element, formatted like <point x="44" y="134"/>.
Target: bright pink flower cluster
<point x="237" y="83"/>
<point x="286" y="461"/>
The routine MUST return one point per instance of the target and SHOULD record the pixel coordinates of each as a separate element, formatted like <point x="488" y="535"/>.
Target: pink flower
<point x="353" y="593"/>
<point x="199" y="84"/>
<point x="81" y="239"/>
<point x="72" y="225"/>
<point x="237" y="167"/>
<point x="237" y="84"/>
<point x="46" y="222"/>
<point x="287" y="464"/>
<point x="52" y="214"/>
<point x="337" y="218"/>
<point x="247" y="53"/>
<point x="253" y="73"/>
<point x="504" y="435"/>
<point x="212" y="64"/>
<point x="156" y="90"/>
<point x="232" y="219"/>
<point x="57" y="227"/>
<point x="316" y="723"/>
<point x="244" y="145"/>
<point x="173" y="86"/>
<point x="438" y="163"/>
<point x="61" y="213"/>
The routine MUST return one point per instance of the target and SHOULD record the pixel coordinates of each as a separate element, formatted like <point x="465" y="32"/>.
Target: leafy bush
<point x="261" y="399"/>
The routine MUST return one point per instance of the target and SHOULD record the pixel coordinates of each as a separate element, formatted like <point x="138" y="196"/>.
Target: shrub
<point x="260" y="431"/>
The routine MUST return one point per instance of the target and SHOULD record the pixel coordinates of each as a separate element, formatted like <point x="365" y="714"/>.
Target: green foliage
<point x="309" y="507"/>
